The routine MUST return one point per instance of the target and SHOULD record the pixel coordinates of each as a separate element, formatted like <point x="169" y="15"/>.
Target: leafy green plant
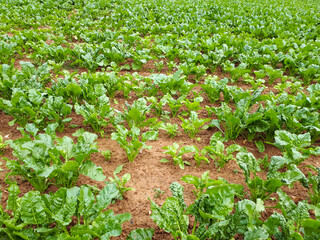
<point x="200" y="156"/>
<point x="159" y="65"/>
<point x="141" y="233"/>
<point x="98" y="115"/>
<point x="66" y="214"/>
<point x="288" y="224"/>
<point x="2" y="145"/>
<point x="294" y="146"/>
<point x="211" y="212"/>
<point x="171" y="129"/>
<point x="24" y="106"/>
<point x="44" y="159"/>
<point x="157" y="105"/>
<point x="121" y="182"/>
<point x="175" y="104"/>
<point x="158" y="192"/>
<point x="193" y="125"/>
<point x="68" y="88"/>
<point x="255" y="83"/>
<point x="193" y="105"/>
<point x="272" y="73"/>
<point x="135" y="115"/>
<point x="217" y="151"/>
<point x="173" y="84"/>
<point x="176" y="154"/>
<point x="213" y="88"/>
<point x="235" y="122"/>
<point x="130" y="141"/>
<point x="259" y="188"/>
<point x="312" y="183"/>
<point x="171" y="65"/>
<point x="56" y="110"/>
<point x="202" y="183"/>
<point x="236" y="72"/>
<point x="107" y="154"/>
<point x="199" y="71"/>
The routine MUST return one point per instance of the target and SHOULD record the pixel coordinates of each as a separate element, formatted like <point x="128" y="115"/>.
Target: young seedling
<point x="193" y="125"/>
<point x="159" y="65"/>
<point x="193" y="105"/>
<point x="175" y="104"/>
<point x="130" y="141"/>
<point x="107" y="154"/>
<point x="217" y="151"/>
<point x="171" y="129"/>
<point x="98" y="115"/>
<point x="202" y="183"/>
<point x="121" y="182"/>
<point x="213" y="88"/>
<point x="171" y="65"/>
<point x="176" y="154"/>
<point x="199" y="156"/>
<point x="158" y="192"/>
<point x="157" y="105"/>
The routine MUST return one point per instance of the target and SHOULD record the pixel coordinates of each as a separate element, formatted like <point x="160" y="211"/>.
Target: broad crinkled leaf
<point x="150" y="135"/>
<point x="12" y="202"/>
<point x="33" y="208"/>
<point x="141" y="234"/>
<point x="248" y="163"/>
<point x="256" y="234"/>
<point x="66" y="148"/>
<point x="106" y="195"/>
<point x="109" y="225"/>
<point x="177" y="192"/>
<point x="86" y="202"/>
<point x="170" y="216"/>
<point x="218" y="202"/>
<point x="62" y="204"/>
<point x="91" y="170"/>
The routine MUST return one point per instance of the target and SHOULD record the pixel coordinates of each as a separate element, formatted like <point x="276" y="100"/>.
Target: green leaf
<point x="62" y="204"/>
<point x="141" y="234"/>
<point x="256" y="234"/>
<point x="86" y="202"/>
<point x="118" y="169"/>
<point x="260" y="146"/>
<point x="217" y="202"/>
<point x="33" y="208"/>
<point x="150" y="135"/>
<point x="35" y="96"/>
<point x="91" y="170"/>
<point x="191" y="179"/>
<point x="170" y="216"/>
<point x="177" y="192"/>
<point x="311" y="227"/>
<point x="164" y="160"/>
<point x="108" y="225"/>
<point x="12" y="202"/>
<point x="105" y="197"/>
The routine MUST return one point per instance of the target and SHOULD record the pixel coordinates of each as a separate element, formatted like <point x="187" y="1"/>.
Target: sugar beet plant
<point x="51" y="216"/>
<point x="193" y="125"/>
<point x="132" y="141"/>
<point x="84" y="53"/>
<point x="218" y="217"/>
<point x="98" y="115"/>
<point x="44" y="159"/>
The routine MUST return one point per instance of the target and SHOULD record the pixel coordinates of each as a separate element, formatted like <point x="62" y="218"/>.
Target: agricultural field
<point x="160" y="119"/>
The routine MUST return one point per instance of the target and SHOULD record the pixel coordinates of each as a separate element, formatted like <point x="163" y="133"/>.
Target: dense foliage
<point x="233" y="69"/>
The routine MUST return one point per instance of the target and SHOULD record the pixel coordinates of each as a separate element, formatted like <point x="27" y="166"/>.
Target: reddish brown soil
<point x="147" y="172"/>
